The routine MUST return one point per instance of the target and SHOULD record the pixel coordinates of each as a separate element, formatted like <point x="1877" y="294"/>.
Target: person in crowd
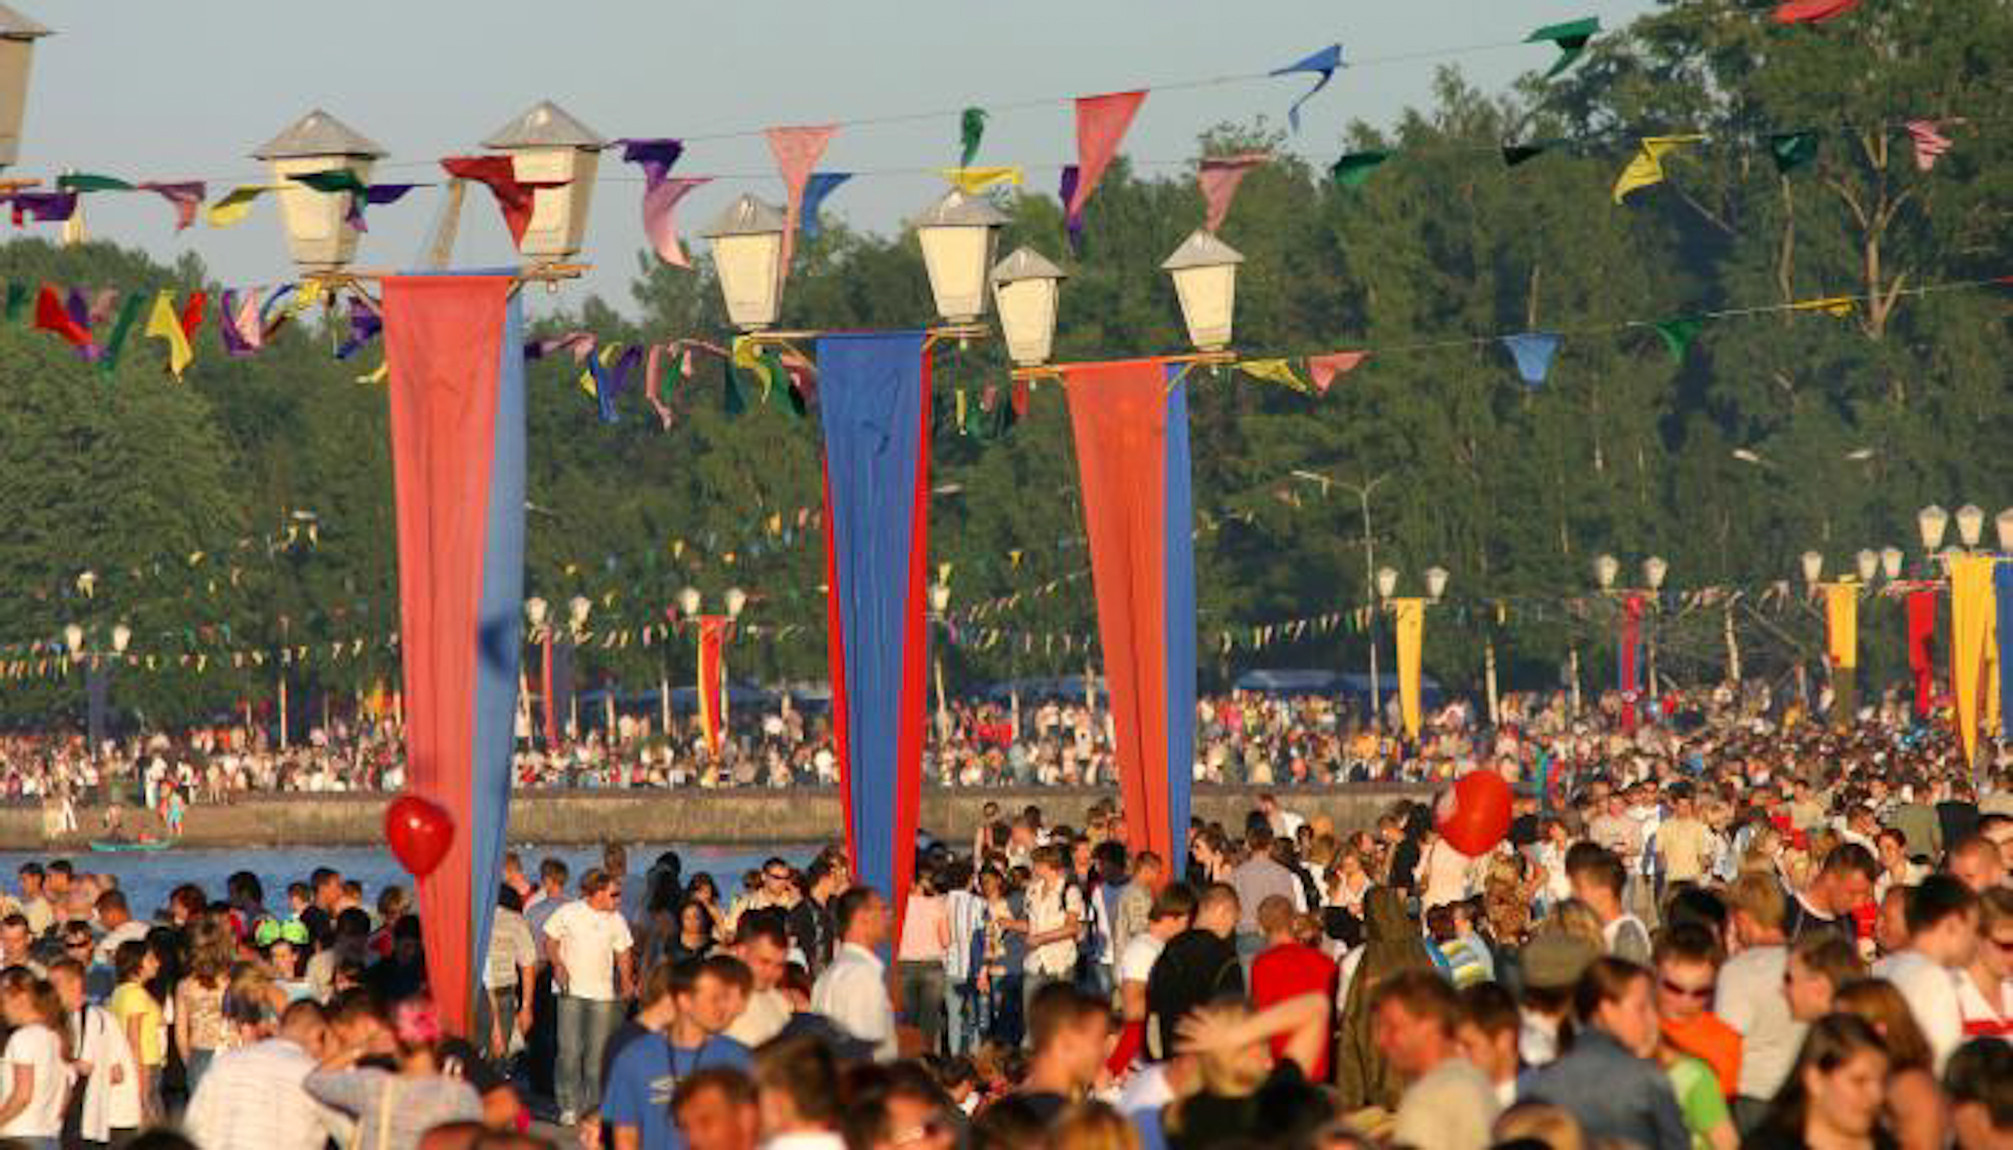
<point x="141" y="1019"/>
<point x="255" y="1096"/>
<point x="1979" y="1086"/>
<point x="1985" y="986"/>
<point x="1068" y="1031"/>
<point x="1288" y="967"/>
<point x="105" y="1090"/>
<point x="1942" y="918"/>
<point x="199" y="1028"/>
<point x="1448" y="1103"/>
<point x="588" y="945"/>
<point x="1843" y="884"/>
<point x="37" y="1078"/>
<point x="1686" y="960"/>
<point x="1978" y="863"/>
<point x="852" y="991"/>
<point x="1817" y="968"/>
<point x="1834" y="1094"/>
<point x="509" y="971"/>
<point x="797" y="1092"/>
<point x="1608" y="1080"/>
<point x="1391" y="946"/>
<point x="1197" y="966"/>
<point x="1748" y="996"/>
<point x="1553" y="962"/>
<point x="636" y="1113"/>
<point x="1599" y="878"/>
<point x="715" y="1108"/>
<point x="393" y="1108"/>
<point x="1256" y="879"/>
<point x="1242" y="1091"/>
<point x="919" y="958"/>
<point x="1913" y="1111"/>
<point x="1489" y="1035"/>
<point x="762" y="943"/>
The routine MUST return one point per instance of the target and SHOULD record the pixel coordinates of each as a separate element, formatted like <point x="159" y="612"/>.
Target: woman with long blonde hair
<point x="200" y="1030"/>
<point x="1913" y="1105"/>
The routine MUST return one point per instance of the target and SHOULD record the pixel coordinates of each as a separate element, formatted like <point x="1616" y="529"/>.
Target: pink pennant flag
<point x="660" y="205"/>
<point x="797" y="151"/>
<point x="1929" y="142"/>
<point x="1101" y="122"/>
<point x="247" y="323"/>
<point x="1219" y="177"/>
<point x="1324" y="368"/>
<point x="184" y="197"/>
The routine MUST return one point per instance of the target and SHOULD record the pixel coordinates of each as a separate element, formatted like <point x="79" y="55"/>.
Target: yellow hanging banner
<point x="1841" y="618"/>
<point x="1409" y="616"/>
<point x="1971" y="611"/>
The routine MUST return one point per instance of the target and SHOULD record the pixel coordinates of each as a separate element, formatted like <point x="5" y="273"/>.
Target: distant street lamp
<point x="550" y="148"/>
<point x="321" y="235"/>
<point x="17" y="50"/>
<point x="1204" y="269"/>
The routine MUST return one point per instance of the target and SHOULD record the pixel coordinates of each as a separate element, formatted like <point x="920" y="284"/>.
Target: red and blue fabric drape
<point x="1130" y="420"/>
<point x="1921" y="637"/>
<point x="454" y="347"/>
<point x="874" y="404"/>
<point x="712" y="690"/>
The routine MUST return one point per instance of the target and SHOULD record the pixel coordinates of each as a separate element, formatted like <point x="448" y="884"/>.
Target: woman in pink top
<point x="926" y="934"/>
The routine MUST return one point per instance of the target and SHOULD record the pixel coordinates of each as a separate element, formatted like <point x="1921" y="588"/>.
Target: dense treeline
<point x="1851" y="423"/>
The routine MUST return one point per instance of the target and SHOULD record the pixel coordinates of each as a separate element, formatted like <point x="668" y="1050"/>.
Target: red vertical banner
<point x="1921" y="637"/>
<point x="712" y="684"/>
<point x="1632" y="631"/>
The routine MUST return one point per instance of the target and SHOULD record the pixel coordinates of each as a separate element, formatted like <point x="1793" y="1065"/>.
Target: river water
<point x="148" y="877"/>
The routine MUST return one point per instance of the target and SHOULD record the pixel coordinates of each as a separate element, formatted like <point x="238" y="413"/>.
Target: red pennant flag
<point x="1812" y="11"/>
<point x="1101" y="122"/>
<point x="1324" y="368"/>
<point x="52" y="316"/>
<point x="797" y="151"/>
<point x="499" y="175"/>
<point x="192" y="313"/>
<point x="1219" y="178"/>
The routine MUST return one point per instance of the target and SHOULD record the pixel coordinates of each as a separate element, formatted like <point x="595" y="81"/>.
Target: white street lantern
<point x="320" y="235"/>
<point x="1436" y="582"/>
<point x="1387" y="582"/>
<point x="548" y="146"/>
<point x="1890" y="562"/>
<point x="122" y="637"/>
<point x="940" y="597"/>
<point x="1869" y="564"/>
<point x="1654" y="570"/>
<point x="689" y="602"/>
<point x="1930" y="523"/>
<point x="736" y="600"/>
<point x="1205" y="278"/>
<point x="1970" y="524"/>
<point x="2004" y="526"/>
<point x="535" y="611"/>
<point x="957" y="234"/>
<point x="17" y="46"/>
<point x="1024" y="289"/>
<point x="748" y="255"/>
<point x="1606" y="568"/>
<point x="73" y="639"/>
<point x="1813" y="567"/>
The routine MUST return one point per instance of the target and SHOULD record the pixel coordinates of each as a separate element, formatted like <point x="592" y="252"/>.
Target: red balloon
<point x="420" y="833"/>
<point x="1475" y="815"/>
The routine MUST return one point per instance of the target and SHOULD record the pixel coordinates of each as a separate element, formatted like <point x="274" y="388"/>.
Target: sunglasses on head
<point x="1682" y="991"/>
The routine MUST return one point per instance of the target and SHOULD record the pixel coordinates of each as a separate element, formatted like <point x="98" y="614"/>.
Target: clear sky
<point x="147" y="90"/>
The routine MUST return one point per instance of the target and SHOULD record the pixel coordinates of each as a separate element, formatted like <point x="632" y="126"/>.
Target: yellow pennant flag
<point x="236" y="204"/>
<point x="1841" y="619"/>
<point x="1837" y="306"/>
<point x="1277" y="371"/>
<point x="1648" y="165"/>
<point x="1971" y="611"/>
<point x="164" y="324"/>
<point x="972" y="181"/>
<point x="1410" y="617"/>
<point x="382" y="373"/>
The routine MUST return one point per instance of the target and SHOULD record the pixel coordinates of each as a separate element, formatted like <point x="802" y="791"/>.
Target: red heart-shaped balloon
<point x="420" y="833"/>
<point x="1475" y="815"/>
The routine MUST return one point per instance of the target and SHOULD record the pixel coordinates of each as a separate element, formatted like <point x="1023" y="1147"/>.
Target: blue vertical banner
<point x="1178" y="506"/>
<point x="874" y="404"/>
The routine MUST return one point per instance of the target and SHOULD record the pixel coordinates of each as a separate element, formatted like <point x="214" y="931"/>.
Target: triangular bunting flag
<point x="235" y="205"/>
<point x="1325" y="368"/>
<point x="1514" y="154"/>
<point x="1837" y="306"/>
<point x="1355" y="167"/>
<point x="1533" y="352"/>
<point x="51" y="315"/>
<point x="1792" y="150"/>
<point x="1323" y="63"/>
<point x="661" y="194"/>
<point x="1812" y="11"/>
<point x="129" y="314"/>
<point x="971" y="130"/>
<point x="88" y="182"/>
<point x="1648" y="165"/>
<point x="1677" y="335"/>
<point x="820" y="185"/>
<point x="1101" y="122"/>
<point x="1277" y="371"/>
<point x="1219" y="177"/>
<point x="1571" y="37"/>
<point x="165" y="325"/>
<point x="973" y="181"/>
<point x="514" y="197"/>
<point x="185" y="197"/>
<point x="1930" y="143"/>
<point x="797" y="151"/>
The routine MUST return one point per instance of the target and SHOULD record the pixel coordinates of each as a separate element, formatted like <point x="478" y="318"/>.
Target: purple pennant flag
<point x="661" y="194"/>
<point x="78" y="306"/>
<point x="625" y="366"/>
<point x="374" y="195"/>
<point x="655" y="157"/>
<point x="104" y="302"/>
<point x="364" y="325"/>
<point x="1075" y="219"/>
<point x="235" y="344"/>
<point x="45" y="207"/>
<point x="185" y="197"/>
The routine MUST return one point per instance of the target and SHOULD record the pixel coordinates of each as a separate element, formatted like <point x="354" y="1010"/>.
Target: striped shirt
<point x="252" y="1099"/>
<point x="967" y="915"/>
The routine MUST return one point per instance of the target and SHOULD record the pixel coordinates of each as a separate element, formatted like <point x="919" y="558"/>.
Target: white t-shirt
<point x="1140" y="955"/>
<point x="1749" y="998"/>
<point x="589" y="940"/>
<point x="1931" y="991"/>
<point x="36" y="1047"/>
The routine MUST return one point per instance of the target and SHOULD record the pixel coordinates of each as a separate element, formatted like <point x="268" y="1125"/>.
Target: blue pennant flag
<point x="1324" y="62"/>
<point x="1533" y="351"/>
<point x="820" y="185"/>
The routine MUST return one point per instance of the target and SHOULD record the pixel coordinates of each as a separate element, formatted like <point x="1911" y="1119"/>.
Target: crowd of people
<point x="1715" y="925"/>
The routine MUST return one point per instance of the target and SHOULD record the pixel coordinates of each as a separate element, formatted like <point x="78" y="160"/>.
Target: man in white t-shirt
<point x="1173" y="911"/>
<point x="1942" y="917"/>
<point x="34" y="1116"/>
<point x="593" y="969"/>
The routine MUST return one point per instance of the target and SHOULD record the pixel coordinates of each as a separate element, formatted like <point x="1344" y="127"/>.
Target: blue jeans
<point x="965" y="1015"/>
<point x="585" y="1025"/>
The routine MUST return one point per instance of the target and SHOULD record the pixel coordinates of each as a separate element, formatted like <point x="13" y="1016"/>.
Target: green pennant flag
<point x="1792" y="150"/>
<point x="1355" y="167"/>
<point x="1677" y="335"/>
<point x="17" y="300"/>
<point x="1571" y="37"/>
<point x="88" y="182"/>
<point x="129" y="314"/>
<point x="333" y="180"/>
<point x="732" y="401"/>
<point x="1514" y="154"/>
<point x="972" y="129"/>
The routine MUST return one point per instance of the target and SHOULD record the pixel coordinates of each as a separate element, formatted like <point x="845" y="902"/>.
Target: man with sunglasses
<point x="1687" y="960"/>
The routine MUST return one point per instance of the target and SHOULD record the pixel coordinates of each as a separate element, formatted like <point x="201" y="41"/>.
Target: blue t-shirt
<point x="643" y="1077"/>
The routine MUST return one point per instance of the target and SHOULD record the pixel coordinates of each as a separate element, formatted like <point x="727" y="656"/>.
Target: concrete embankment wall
<point x="691" y="816"/>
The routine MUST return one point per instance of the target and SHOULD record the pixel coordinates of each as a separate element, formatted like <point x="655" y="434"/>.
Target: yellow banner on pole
<point x="1841" y="618"/>
<point x="1410" y="618"/>
<point x="1971" y="611"/>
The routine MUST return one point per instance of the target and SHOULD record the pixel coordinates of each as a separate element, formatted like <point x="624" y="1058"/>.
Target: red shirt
<point x="1290" y="970"/>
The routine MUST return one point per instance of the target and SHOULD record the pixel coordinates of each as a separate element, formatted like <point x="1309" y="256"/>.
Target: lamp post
<point x="578" y="609"/>
<point x="1371" y="583"/>
<point x="1204" y="271"/>
<point x="1634" y="601"/>
<point x="1387" y="578"/>
<point x="747" y="241"/>
<point x="560" y="155"/>
<point x="957" y="235"/>
<point x="718" y="629"/>
<point x="97" y="676"/>
<point x="17" y="50"/>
